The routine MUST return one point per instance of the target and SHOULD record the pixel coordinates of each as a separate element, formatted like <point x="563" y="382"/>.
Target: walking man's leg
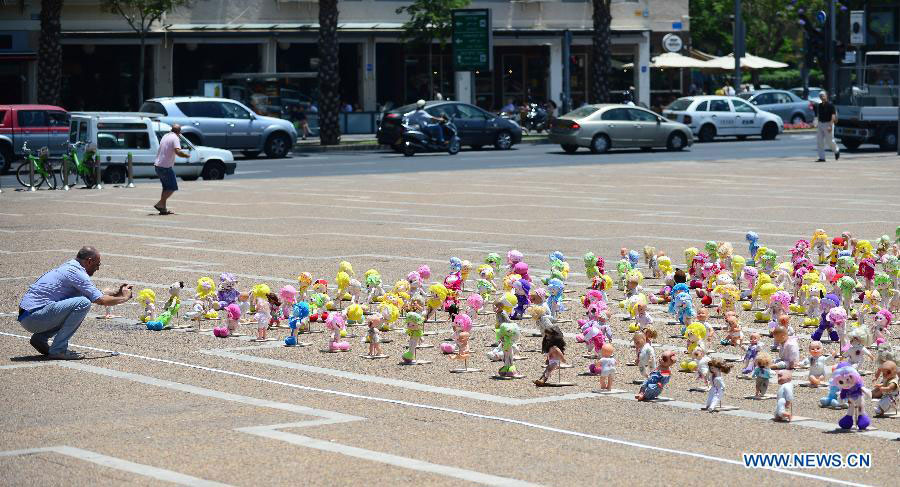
<point x="820" y="140"/>
<point x="59" y="320"/>
<point x="162" y="199"/>
<point x="831" y="143"/>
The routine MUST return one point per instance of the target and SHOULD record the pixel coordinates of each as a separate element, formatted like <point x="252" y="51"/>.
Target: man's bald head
<point x="176" y="128"/>
<point x="89" y="259"/>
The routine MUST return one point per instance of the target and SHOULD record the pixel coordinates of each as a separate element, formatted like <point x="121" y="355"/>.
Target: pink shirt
<point x="169" y="143"/>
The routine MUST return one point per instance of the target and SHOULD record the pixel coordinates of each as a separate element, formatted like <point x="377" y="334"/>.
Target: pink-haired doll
<point x="779" y="305"/>
<point x="474" y="304"/>
<point x="334" y="324"/>
<point x="880" y="326"/>
<point x="513" y="257"/>
<point x="288" y="296"/>
<point x="233" y="316"/>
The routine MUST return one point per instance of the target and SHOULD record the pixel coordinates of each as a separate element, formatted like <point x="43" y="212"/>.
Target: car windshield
<point x="582" y="112"/>
<point x="680" y="104"/>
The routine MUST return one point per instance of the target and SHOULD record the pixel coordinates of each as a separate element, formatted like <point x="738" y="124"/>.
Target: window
<point x="3" y="116"/>
<point x="742" y="107"/>
<point x="616" y="114"/>
<point x="581" y="112"/>
<point x="681" y="104"/>
<point x="764" y="99"/>
<point x="782" y="98"/>
<point x="642" y="116"/>
<point x="58" y="119"/>
<point x="154" y="107"/>
<point x="448" y="110"/>
<point x="207" y="109"/>
<point x="467" y="111"/>
<point x="120" y="140"/>
<point x="235" y="111"/>
<point x="32" y="118"/>
<point x="702" y="107"/>
<point x="719" y="106"/>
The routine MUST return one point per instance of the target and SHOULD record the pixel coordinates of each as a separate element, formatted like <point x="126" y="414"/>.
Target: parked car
<point x="813" y="93"/>
<point x="118" y="134"/>
<point x="476" y="127"/>
<point x="226" y="124"/>
<point x="714" y="116"/>
<point x="38" y="125"/>
<point x="604" y="127"/>
<point x="785" y="104"/>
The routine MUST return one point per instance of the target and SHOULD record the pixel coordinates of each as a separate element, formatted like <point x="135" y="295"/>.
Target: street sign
<point x="672" y="43"/>
<point x="473" y="40"/>
<point x="857" y="27"/>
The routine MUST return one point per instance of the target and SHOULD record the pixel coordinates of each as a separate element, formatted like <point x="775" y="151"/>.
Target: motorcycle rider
<point x="425" y="121"/>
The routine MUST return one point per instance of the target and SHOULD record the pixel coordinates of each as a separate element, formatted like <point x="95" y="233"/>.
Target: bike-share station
<point x="38" y="170"/>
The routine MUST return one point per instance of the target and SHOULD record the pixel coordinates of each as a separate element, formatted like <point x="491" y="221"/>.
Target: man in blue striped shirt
<point x="58" y="302"/>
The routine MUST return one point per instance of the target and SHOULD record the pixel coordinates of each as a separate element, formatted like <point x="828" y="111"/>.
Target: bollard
<point x="31" y="176"/>
<point x="65" y="173"/>
<point x="98" y="184"/>
<point x="130" y="171"/>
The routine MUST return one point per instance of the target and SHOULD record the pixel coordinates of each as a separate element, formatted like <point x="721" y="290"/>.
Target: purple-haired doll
<point x="828" y="302"/>
<point x="848" y="379"/>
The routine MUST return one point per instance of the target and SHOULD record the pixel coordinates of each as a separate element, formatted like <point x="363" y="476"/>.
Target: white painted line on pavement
<point x="27" y="365"/>
<point x="118" y="464"/>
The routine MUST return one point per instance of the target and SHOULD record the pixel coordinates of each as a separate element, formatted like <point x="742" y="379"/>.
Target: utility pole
<point x="804" y="71"/>
<point x="566" y="95"/>
<point x="738" y="44"/>
<point x="832" y="62"/>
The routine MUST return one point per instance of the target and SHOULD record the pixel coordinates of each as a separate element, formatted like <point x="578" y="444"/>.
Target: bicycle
<point x="85" y="166"/>
<point x="43" y="169"/>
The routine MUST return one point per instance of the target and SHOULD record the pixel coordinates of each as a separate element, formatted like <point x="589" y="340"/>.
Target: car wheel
<point x="797" y="119"/>
<point x="570" y="149"/>
<point x="769" y="131"/>
<point x="599" y="144"/>
<point x="409" y="150"/>
<point x="888" y="140"/>
<point x="213" y="170"/>
<point x="250" y="154"/>
<point x="676" y="142"/>
<point x="115" y="175"/>
<point x="503" y="140"/>
<point x="707" y="133"/>
<point x="6" y="158"/>
<point x="851" y="144"/>
<point x="277" y="146"/>
<point x="476" y="147"/>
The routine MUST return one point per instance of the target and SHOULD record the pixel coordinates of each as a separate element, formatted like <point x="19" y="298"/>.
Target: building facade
<point x="264" y="52"/>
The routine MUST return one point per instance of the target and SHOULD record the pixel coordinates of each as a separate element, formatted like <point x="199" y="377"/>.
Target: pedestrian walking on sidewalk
<point x="169" y="147"/>
<point x="826" y="115"/>
<point x="56" y="305"/>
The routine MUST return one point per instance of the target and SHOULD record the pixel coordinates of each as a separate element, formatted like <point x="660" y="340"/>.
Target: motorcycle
<point x="535" y="118"/>
<point x="415" y="140"/>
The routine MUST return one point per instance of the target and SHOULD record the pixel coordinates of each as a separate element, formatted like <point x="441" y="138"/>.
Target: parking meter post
<point x="31" y="176"/>
<point x="130" y="171"/>
<point x="97" y="172"/>
<point x="65" y="173"/>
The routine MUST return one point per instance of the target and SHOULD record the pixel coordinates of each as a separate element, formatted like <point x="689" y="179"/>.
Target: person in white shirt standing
<point x="169" y="147"/>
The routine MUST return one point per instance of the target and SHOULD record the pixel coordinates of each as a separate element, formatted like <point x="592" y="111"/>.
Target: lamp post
<point x="738" y="44"/>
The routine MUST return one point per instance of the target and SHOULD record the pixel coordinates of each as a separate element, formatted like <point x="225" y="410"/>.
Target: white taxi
<point x="723" y="116"/>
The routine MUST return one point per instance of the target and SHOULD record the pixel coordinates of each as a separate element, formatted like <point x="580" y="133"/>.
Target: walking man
<point x="827" y="117"/>
<point x="58" y="302"/>
<point x="169" y="147"/>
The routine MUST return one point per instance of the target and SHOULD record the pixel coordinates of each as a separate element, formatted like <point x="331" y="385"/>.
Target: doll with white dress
<point x="717" y="370"/>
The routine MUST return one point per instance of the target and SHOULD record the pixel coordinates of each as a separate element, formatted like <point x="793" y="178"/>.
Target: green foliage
<point x="430" y="20"/>
<point x="140" y="14"/>
<point x="787" y="78"/>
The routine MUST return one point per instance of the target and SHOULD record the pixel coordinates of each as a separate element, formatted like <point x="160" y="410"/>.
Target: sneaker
<point x="67" y="355"/>
<point x="40" y="345"/>
<point x="820" y="160"/>
<point x="837" y="155"/>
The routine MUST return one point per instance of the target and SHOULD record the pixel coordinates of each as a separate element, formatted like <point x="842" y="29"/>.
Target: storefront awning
<point x="345" y="26"/>
<point x="749" y="61"/>
<point x="672" y="60"/>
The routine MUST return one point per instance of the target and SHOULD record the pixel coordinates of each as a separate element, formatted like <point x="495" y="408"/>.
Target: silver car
<point x="785" y="104"/>
<point x="226" y="124"/>
<point x="606" y="126"/>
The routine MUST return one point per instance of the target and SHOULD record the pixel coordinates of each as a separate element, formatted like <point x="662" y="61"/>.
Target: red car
<point x="37" y="125"/>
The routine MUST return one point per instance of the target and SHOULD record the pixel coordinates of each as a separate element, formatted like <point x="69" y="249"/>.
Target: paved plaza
<point x="187" y="408"/>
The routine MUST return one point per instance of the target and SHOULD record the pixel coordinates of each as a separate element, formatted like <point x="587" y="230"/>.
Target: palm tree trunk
<point x="329" y="74"/>
<point x="600" y="52"/>
<point x="50" y="53"/>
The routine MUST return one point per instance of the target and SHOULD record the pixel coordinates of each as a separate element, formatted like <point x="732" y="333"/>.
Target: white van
<point x="118" y="134"/>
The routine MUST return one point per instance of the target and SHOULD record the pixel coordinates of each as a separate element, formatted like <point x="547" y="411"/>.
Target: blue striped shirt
<point x="69" y="280"/>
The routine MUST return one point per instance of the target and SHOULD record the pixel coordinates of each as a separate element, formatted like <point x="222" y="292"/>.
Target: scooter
<point x="415" y="140"/>
<point x="535" y="118"/>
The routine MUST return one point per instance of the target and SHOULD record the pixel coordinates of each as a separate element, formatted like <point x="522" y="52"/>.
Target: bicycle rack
<point x="98" y="184"/>
<point x="64" y="172"/>
<point x="31" y="176"/>
<point x="130" y="171"/>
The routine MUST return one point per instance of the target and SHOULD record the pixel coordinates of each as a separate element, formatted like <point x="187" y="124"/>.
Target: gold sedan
<point x="606" y="126"/>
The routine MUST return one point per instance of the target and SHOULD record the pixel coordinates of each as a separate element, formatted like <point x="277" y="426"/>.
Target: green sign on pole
<point x="473" y="40"/>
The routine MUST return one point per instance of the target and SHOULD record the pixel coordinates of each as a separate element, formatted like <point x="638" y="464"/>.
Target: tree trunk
<point x="50" y="53"/>
<point x="329" y="74"/>
<point x="140" y="93"/>
<point x="601" y="53"/>
<point x="430" y="75"/>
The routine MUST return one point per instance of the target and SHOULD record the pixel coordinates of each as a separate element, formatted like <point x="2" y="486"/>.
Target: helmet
<point x="420" y="104"/>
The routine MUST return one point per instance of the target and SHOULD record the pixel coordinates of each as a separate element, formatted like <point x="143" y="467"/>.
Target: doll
<point x="879" y="330"/>
<point x="768" y="259"/>
<point x="856" y="351"/>
<point x="521" y="269"/>
<point x="785" y="397"/>
<point x="682" y="306"/>
<point x="728" y="294"/>
<point x="607" y="367"/>
<point x="622" y="268"/>
<point x="342" y="282"/>
<point x="788" y="348"/>
<point x="654" y="384"/>
<point x="437" y="294"/>
<point x="502" y="307"/>
<point x="735" y="336"/>
<point x="887" y="390"/>
<point x="645" y="356"/>
<point x="232" y="317"/>
<point x="664" y="294"/>
<point x="717" y="369"/>
<point x="638" y="311"/>
<point x="851" y="385"/>
<point x="555" y="346"/>
<point x="288" y="295"/>
<point x="275" y="310"/>
<point x="204" y="299"/>
<point x="837" y="317"/>
<point x="702" y="359"/>
<point x="883" y="285"/>
<point x="762" y="373"/>
<point x="689" y="254"/>
<point x="764" y="293"/>
<point x="555" y="290"/>
<point x="335" y="324"/>
<point x="462" y="341"/>
<point x="263" y="314"/>
<point x="474" y="304"/>
<point x="147" y="298"/>
<point x="485" y="289"/>
<point x="778" y="307"/>
<point x="170" y="311"/>
<point x="652" y="261"/>
<point x="297" y="322"/>
<point x="696" y="270"/>
<point x="703" y="319"/>
<point x="815" y="293"/>
<point x="593" y="338"/>
<point x="508" y="336"/>
<point x="665" y="264"/>
<point x="750" y="275"/>
<point x="522" y="289"/>
<point x="513" y="257"/>
<point x="752" y="239"/>
<point x="375" y="291"/>
<point x="695" y="333"/>
<point x="633" y="280"/>
<point x="493" y="260"/>
<point x="448" y="348"/>
<point x="829" y="302"/>
<point x="464" y="270"/>
<point x="243" y="302"/>
<point x="816" y="363"/>
<point x="751" y="354"/>
<point x="227" y="293"/>
<point x="712" y="250"/>
<point x="590" y="265"/>
<point x="634" y="258"/>
<point x="374" y="322"/>
<point x="304" y="281"/>
<point x="726" y="256"/>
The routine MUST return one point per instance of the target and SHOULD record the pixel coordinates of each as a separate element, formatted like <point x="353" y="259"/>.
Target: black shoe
<point x="40" y="345"/>
<point x="67" y="355"/>
<point x="820" y="160"/>
<point x="837" y="155"/>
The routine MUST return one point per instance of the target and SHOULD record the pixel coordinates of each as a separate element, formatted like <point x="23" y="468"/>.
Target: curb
<point x="312" y="148"/>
